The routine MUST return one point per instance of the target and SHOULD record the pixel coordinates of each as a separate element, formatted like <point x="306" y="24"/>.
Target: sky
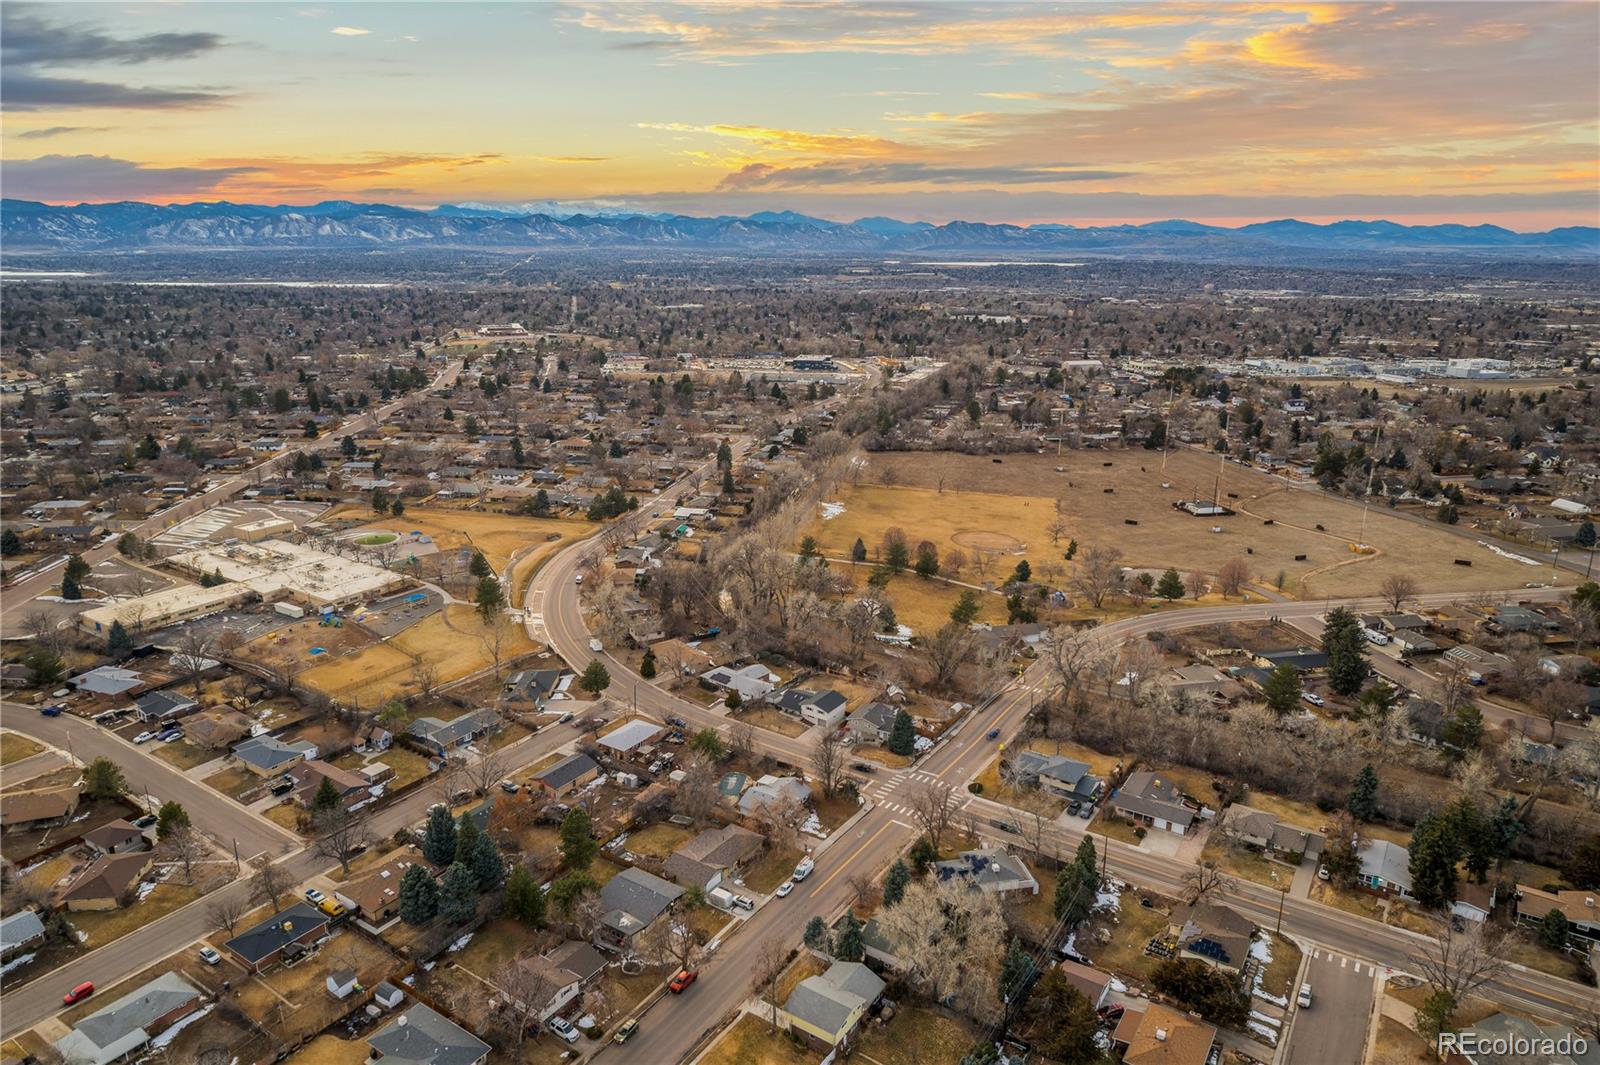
<point x="1417" y="112"/>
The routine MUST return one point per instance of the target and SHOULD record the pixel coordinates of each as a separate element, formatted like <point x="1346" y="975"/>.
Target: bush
<point x="976" y="787"/>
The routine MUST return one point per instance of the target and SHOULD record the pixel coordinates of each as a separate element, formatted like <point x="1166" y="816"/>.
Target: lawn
<point x="182" y="755"/>
<point x="804" y="966"/>
<point x="1523" y="949"/>
<point x="771" y="869"/>
<point x="1247" y="864"/>
<point x="234" y="783"/>
<point x="658" y="840"/>
<point x="331" y="1050"/>
<point x="1118" y="828"/>
<point x="925" y="605"/>
<point x="1280" y="975"/>
<point x="1032" y="799"/>
<point x="286" y="814"/>
<point x="103" y="926"/>
<point x="407" y="764"/>
<point x="871" y="752"/>
<point x="774" y="720"/>
<point x="496" y="943"/>
<point x="452" y="640"/>
<point x="917" y="1036"/>
<point x="1167" y="537"/>
<point x="750" y="1041"/>
<point x="14" y="747"/>
<point x="498" y="536"/>
<point x="1131" y="927"/>
<point x="1398" y="1045"/>
<point x="1035" y="913"/>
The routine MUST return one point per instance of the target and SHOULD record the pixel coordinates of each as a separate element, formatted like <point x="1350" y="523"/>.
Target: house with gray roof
<point x="441" y="737"/>
<point x="284" y="936"/>
<point x="1500" y="1039"/>
<point x="108" y="680"/>
<point x="1151" y="799"/>
<point x="990" y="869"/>
<point x="630" y="901"/>
<point x="1066" y="777"/>
<point x="130" y="1022"/>
<point x="825" y="1009"/>
<point x="1265" y="831"/>
<point x="825" y="708"/>
<point x="704" y="860"/>
<point x="872" y="722"/>
<point x="569" y="774"/>
<point x="1385" y="867"/>
<point x="267" y="755"/>
<point x="164" y="706"/>
<point x="752" y="682"/>
<point x="21" y="930"/>
<point x="770" y="790"/>
<point x="420" y="1036"/>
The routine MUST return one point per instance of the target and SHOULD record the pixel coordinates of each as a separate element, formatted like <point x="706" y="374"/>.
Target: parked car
<point x="684" y="978"/>
<point x="784" y="888"/>
<point x="144" y="737"/>
<point x="1111" y="1013"/>
<point x="509" y="787"/>
<point x="1074" y="806"/>
<point x="53" y="710"/>
<point x="578" y="579"/>
<point x="863" y="767"/>
<point x="626" y="1032"/>
<point x="1304" y="998"/>
<point x="803" y="870"/>
<point x="170" y="735"/>
<point x="1322" y="873"/>
<point x="147" y="821"/>
<point x="1087" y="811"/>
<point x="210" y="956"/>
<point x="677" y="722"/>
<point x="596" y="646"/>
<point x="564" y="719"/>
<point x="331" y="907"/>
<point x="562" y="1027"/>
<point x="79" y="993"/>
<point x="314" y="896"/>
<point x="1312" y="697"/>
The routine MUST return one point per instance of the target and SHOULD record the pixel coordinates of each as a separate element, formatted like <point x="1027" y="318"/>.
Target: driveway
<point x="1160" y="841"/>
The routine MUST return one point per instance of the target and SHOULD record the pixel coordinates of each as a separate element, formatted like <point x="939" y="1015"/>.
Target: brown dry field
<point x="1167" y="537"/>
<point x="1009" y="525"/>
<point x="498" y="536"/>
<point x="451" y="639"/>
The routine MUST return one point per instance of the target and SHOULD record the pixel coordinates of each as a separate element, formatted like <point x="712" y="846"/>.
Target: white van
<point x="1305" y="997"/>
<point x="803" y="870"/>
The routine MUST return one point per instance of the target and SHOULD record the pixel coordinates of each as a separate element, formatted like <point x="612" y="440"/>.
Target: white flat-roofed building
<point x="277" y="569"/>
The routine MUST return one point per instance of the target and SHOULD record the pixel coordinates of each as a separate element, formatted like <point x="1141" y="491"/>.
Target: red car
<point x="79" y="993"/>
<point x="684" y="978"/>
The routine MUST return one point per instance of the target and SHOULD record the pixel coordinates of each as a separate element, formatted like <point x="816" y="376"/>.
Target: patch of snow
<point x="145" y="887"/>
<point x="812" y="826"/>
<point x="1107" y="900"/>
<point x="1268" y="1034"/>
<point x="1257" y="1015"/>
<point x="1118" y="986"/>
<point x="16" y="963"/>
<point x="460" y="944"/>
<point x="831" y="511"/>
<point x="166" y="1037"/>
<point x="1261" y="950"/>
<point x="409" y="979"/>
<point x="922" y="743"/>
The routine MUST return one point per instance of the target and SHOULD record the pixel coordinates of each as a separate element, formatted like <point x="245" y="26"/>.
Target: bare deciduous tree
<point x="1233" y="576"/>
<point x="1099" y="574"/>
<point x="930" y="917"/>
<point x="770" y="961"/>
<point x="226" y="909"/>
<point x="1205" y="883"/>
<point x="485" y="771"/>
<point x="1073" y="656"/>
<point x="932" y="808"/>
<point x="184" y="846"/>
<point x="528" y="988"/>
<point x="1398" y="589"/>
<point x="827" y="761"/>
<point x="1459" y="962"/>
<point x="341" y="835"/>
<point x="269" y="884"/>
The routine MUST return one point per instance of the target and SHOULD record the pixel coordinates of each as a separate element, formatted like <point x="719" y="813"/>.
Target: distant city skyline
<point x="1226" y="114"/>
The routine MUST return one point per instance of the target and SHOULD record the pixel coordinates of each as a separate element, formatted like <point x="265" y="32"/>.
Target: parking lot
<point x="393" y="615"/>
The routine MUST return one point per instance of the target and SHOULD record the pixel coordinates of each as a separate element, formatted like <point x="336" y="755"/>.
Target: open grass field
<point x="498" y="536"/>
<point x="102" y="926"/>
<point x="452" y="640"/>
<point x="1164" y="536"/>
<point x="925" y="604"/>
<point x="14" y="747"/>
<point x="774" y="720"/>
<point x="1007" y="526"/>
<point x="658" y="840"/>
<point x="750" y="1041"/>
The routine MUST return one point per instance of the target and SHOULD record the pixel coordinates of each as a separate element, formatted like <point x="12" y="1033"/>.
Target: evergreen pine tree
<point x="1435" y="850"/>
<point x="848" y="944"/>
<point x="439" y="837"/>
<point x="895" y="881"/>
<point x="466" y="840"/>
<point x="458" y="896"/>
<point x="1346" y="648"/>
<point x="326" y="798"/>
<point x="858" y="551"/>
<point x="1016" y="972"/>
<point x="1170" y="586"/>
<point x="1555" y="930"/>
<point x="1363" y="801"/>
<point x="1282" y="689"/>
<point x="419" y="895"/>
<point x="70" y="589"/>
<point x="816" y="934"/>
<point x="487" y="865"/>
<point x="647" y="667"/>
<point x="524" y="901"/>
<point x="118" y="643"/>
<point x="578" y="846"/>
<point x="903" y="736"/>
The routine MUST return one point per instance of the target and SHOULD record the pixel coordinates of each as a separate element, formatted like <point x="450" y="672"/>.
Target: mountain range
<point x="342" y="225"/>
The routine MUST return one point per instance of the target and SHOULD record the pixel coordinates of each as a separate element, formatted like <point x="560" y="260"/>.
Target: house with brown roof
<point x="28" y="811"/>
<point x="216" y="729"/>
<point x="107" y="883"/>
<point x="309" y="775"/>
<point x="704" y="860"/>
<point x="1265" y="831"/>
<point x="1091" y="983"/>
<point x="1160" y="1035"/>
<point x="375" y="898"/>
<point x="555" y="986"/>
<point x="117" y="837"/>
<point x="1217" y="935"/>
<point x="1581" y="909"/>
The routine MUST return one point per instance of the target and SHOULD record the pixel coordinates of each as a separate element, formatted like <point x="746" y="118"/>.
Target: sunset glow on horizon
<point x="1220" y="113"/>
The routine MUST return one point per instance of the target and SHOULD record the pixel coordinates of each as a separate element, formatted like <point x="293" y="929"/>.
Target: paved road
<point x="1334" y="1030"/>
<point x="19" y="595"/>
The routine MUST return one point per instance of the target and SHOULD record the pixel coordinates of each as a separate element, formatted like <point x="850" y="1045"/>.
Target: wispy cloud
<point x="349" y="31"/>
<point x="764" y="175"/>
<point x="837" y="142"/>
<point x="57" y="131"/>
<point x="71" y="178"/>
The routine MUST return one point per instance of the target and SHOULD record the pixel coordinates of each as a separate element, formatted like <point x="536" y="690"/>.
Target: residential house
<point x="115" y="837"/>
<point x="1523" y="619"/>
<point x="1150" y="799"/>
<point x="267" y="755"/>
<point x="531" y="689"/>
<point x="825" y="1009"/>
<point x="567" y="775"/>
<point x="285" y="936"/>
<point x="1058" y="775"/>
<point x="1301" y="658"/>
<point x="630" y="901"/>
<point x="163" y="706"/>
<point x="772" y="790"/>
<point x="123" y="1027"/>
<point x="990" y="869"/>
<point x="1385" y="867"/>
<point x="1478" y="665"/>
<point x="375" y="898"/>
<point x="872" y="722"/>
<point x="1473" y="901"/>
<point x="30" y="811"/>
<point x="752" y="682"/>
<point x="216" y="729"/>
<point x="1265" y="831"/>
<point x="1091" y="983"/>
<point x="20" y="931"/>
<point x="631" y="738"/>
<point x="442" y="737"/>
<point x="1196" y="680"/>
<point x="690" y="659"/>
<point x="581" y="958"/>
<point x="1216" y="935"/>
<point x="420" y="1036"/>
<point x="557" y="986"/>
<point x="1579" y="907"/>
<point x="825" y="708"/>
<point x="1500" y="1039"/>
<point x="1160" y="1035"/>
<point x="309" y="775"/>
<point x="108" y="681"/>
<point x="704" y="860"/>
